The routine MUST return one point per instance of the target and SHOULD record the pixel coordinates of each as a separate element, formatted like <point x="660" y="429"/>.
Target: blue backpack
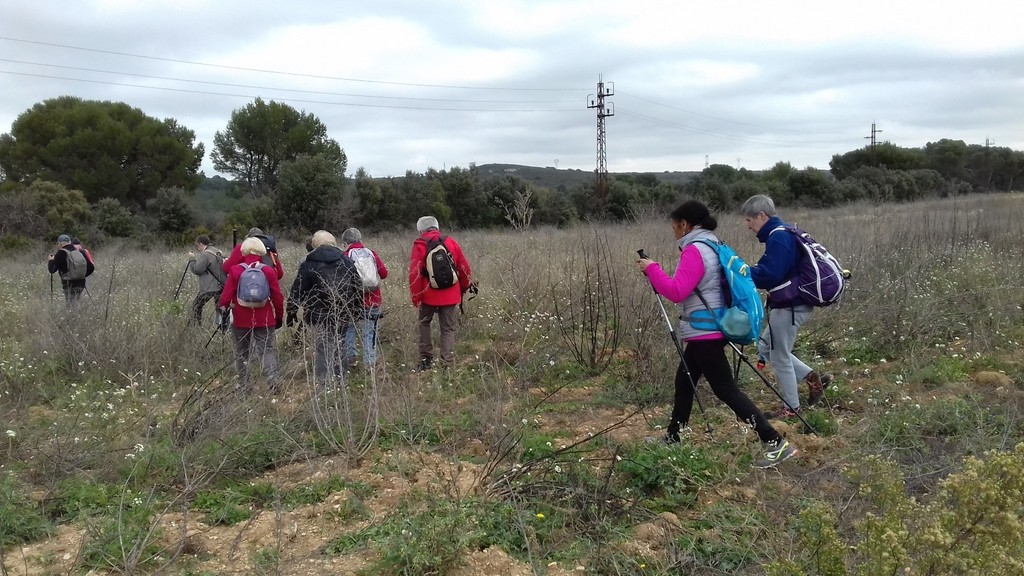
<point x="253" y="288"/>
<point x="740" y="321"/>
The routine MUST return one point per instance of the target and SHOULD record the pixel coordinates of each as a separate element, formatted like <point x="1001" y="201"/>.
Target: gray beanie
<point x="426" y="223"/>
<point x="351" y="236"/>
<point x="64" y="239"/>
<point x="254" y="231"/>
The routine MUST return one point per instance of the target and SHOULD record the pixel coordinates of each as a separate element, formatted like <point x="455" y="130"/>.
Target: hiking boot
<point x="424" y="364"/>
<point x="782" y="413"/>
<point x="776" y="452"/>
<point x="817" y="386"/>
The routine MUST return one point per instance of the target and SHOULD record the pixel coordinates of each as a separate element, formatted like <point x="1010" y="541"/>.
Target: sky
<point x="404" y="85"/>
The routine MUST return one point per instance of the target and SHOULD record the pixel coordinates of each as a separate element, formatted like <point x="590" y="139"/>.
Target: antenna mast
<point x="604" y="110"/>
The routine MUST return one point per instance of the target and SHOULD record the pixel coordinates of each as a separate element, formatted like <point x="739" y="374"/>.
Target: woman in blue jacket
<point x="776" y="266"/>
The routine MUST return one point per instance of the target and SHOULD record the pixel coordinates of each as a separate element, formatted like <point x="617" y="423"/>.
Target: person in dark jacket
<point x="253" y="328"/>
<point x="331" y="295"/>
<point x="291" y="307"/>
<point x="440" y="301"/>
<point x="207" y="266"/>
<point x="73" y="267"/>
<point x="776" y="268"/>
<point x="270" y="258"/>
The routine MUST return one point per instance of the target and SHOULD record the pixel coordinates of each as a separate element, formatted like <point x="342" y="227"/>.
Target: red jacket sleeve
<point x="382" y="270"/>
<point x="417" y="281"/>
<point x="227" y="295"/>
<point x="461" y="264"/>
<point x="233" y="259"/>
<point x="278" y="267"/>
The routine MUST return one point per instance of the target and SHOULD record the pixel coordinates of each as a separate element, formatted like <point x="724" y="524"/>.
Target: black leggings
<point x="707" y="358"/>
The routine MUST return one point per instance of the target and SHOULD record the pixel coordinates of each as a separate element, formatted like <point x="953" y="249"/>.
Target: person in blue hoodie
<point x="776" y="267"/>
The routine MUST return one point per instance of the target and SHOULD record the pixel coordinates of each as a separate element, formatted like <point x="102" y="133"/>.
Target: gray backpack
<point x="253" y="288"/>
<point x="78" y="266"/>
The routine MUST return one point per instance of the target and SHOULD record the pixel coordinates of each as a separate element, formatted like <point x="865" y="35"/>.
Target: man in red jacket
<point x="253" y="327"/>
<point x="439" y="275"/>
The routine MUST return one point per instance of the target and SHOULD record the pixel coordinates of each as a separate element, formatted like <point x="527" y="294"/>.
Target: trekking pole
<point x="220" y="323"/>
<point x="182" y="281"/>
<point x="215" y="329"/>
<point x="679" y="349"/>
<point x="51" y="286"/>
<point x="761" y="375"/>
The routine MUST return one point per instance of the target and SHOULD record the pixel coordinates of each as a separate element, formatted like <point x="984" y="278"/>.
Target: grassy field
<point x="127" y="450"/>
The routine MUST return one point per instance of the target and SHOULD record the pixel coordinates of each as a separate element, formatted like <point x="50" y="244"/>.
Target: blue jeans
<point x="367" y="326"/>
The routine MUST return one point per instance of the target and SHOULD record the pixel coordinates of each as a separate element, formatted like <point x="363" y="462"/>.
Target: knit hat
<point x="254" y="231"/>
<point x="64" y="239"/>
<point x="426" y="223"/>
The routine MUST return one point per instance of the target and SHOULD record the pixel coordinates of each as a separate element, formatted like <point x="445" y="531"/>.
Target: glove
<point x="279" y="323"/>
<point x="291" y="319"/>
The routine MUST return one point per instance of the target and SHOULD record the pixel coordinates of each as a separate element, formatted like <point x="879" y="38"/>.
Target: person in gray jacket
<point x="207" y="265"/>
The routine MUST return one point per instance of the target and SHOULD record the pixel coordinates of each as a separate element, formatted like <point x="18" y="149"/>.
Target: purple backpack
<point x="819" y="280"/>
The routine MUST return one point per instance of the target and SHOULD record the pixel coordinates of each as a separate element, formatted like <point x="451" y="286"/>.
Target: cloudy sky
<point x="412" y="85"/>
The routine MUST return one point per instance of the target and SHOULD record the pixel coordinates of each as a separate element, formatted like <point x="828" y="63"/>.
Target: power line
<point x="233" y="85"/>
<point x="299" y="100"/>
<point x="720" y="119"/>
<point x="279" y="72"/>
<point x="746" y="139"/>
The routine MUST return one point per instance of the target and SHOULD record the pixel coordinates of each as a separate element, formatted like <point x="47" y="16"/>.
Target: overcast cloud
<point x="405" y="85"/>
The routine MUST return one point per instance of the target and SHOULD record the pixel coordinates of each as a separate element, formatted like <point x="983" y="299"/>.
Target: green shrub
<point x="20" y="519"/>
<point x="66" y="211"/>
<point x="114" y="219"/>
<point x="823" y="422"/>
<point x="974" y="524"/>
<point x="15" y="243"/>
<point x="171" y="210"/>
<point x="724" y="537"/>
<point x="941" y="371"/>
<point x="79" y="496"/>
<point x="125" y="541"/>
<point x="669" y="475"/>
<point x="266" y="560"/>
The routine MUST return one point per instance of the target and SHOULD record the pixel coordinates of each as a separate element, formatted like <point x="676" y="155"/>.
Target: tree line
<point x="105" y="169"/>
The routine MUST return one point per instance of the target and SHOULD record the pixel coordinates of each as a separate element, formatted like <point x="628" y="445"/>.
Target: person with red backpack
<point x="253" y="294"/>
<point x="73" y="266"/>
<point x="439" y="275"/>
<point x="776" y="271"/>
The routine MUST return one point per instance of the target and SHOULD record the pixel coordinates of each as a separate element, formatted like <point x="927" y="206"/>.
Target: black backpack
<point x="439" y="265"/>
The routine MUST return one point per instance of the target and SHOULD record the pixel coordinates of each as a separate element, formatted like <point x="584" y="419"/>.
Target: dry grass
<point x="934" y="300"/>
